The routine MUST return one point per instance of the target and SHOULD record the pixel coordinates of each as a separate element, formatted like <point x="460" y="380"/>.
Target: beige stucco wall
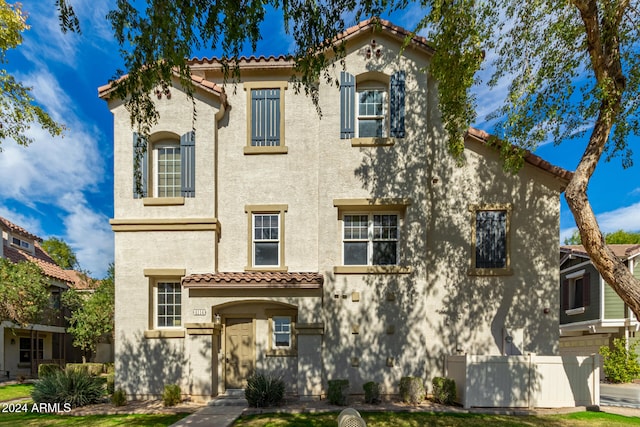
<point x="401" y="324"/>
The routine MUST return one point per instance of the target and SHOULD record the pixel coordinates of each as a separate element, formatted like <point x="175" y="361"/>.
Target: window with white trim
<point x="168" y="304"/>
<point x="372" y="110"/>
<point x="167" y="167"/>
<point x="20" y="243"/>
<point x="370" y="239"/>
<point x="266" y="239"/>
<point x="281" y="338"/>
<point x="576" y="291"/>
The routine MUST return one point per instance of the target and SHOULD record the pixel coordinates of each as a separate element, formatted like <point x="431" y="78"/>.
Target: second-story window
<point x="371" y="111"/>
<point x="167" y="168"/>
<point x="265" y="117"/>
<point x="370" y="239"/>
<point x="266" y="240"/>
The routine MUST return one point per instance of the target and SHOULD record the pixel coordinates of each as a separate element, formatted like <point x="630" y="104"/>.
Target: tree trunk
<point x="605" y="60"/>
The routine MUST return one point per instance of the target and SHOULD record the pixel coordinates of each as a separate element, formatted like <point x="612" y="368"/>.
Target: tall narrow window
<point x="491" y="239"/>
<point x="169" y="304"/>
<point x="371" y="113"/>
<point x="370" y="239"/>
<point x="281" y="332"/>
<point x="168" y="167"/>
<point x="266" y="239"/>
<point x="490" y="249"/>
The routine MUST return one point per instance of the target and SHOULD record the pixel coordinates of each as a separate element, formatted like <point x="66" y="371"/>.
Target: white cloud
<point x="626" y="218"/>
<point x="30" y="224"/>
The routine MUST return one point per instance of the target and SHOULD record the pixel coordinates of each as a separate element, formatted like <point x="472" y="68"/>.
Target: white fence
<point x="525" y="381"/>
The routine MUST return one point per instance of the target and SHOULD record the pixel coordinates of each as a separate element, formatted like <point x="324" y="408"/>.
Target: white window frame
<point x="162" y="145"/>
<point x="275" y="332"/>
<point x="373" y="86"/>
<point x="255" y="241"/>
<point x="156" y="305"/>
<point x="20" y="243"/>
<point x="573" y="279"/>
<point x="370" y="236"/>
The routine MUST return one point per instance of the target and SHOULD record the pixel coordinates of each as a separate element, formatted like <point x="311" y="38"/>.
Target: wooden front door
<point x="240" y="346"/>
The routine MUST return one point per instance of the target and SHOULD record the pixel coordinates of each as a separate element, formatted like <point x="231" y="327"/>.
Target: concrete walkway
<point x="220" y="412"/>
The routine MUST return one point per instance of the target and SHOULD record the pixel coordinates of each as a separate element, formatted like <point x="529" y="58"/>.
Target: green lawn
<point x="15" y="391"/>
<point x="42" y="420"/>
<point x="423" y="419"/>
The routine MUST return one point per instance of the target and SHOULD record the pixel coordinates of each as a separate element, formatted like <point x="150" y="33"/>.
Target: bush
<point x="74" y="386"/>
<point x="94" y="369"/>
<point x="620" y="365"/>
<point x="444" y="390"/>
<point x="412" y="390"/>
<point x="338" y="392"/>
<point x="111" y="383"/>
<point x="371" y="392"/>
<point x="108" y="368"/>
<point x="119" y="397"/>
<point x="172" y="395"/>
<point x="264" y="390"/>
<point x="46" y="369"/>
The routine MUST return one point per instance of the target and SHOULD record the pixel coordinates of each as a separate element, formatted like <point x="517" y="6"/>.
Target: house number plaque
<point x="199" y="311"/>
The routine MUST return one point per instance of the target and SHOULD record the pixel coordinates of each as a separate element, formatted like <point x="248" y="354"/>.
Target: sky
<point x="63" y="187"/>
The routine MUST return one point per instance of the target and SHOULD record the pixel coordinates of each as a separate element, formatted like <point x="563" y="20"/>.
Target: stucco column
<point x="201" y="348"/>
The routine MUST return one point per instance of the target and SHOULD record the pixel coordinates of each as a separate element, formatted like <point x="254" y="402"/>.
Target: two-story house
<point x="263" y="236"/>
<point x="23" y="348"/>
<point x="591" y="313"/>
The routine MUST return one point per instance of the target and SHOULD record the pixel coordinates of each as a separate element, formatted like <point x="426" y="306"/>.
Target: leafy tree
<point x="575" y="69"/>
<point x="614" y="238"/>
<point x="61" y="253"/>
<point x="91" y="314"/>
<point x="24" y="292"/>
<point x="17" y="108"/>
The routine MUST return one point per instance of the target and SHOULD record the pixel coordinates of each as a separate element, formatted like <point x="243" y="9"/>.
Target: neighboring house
<point x="22" y="349"/>
<point x="261" y="236"/>
<point x="591" y="313"/>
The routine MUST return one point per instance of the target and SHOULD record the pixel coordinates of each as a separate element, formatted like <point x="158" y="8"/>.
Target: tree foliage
<point x="613" y="238"/>
<point x="18" y="110"/>
<point x="574" y="68"/>
<point x="24" y="292"/>
<point x="92" y="315"/>
<point x="61" y="253"/>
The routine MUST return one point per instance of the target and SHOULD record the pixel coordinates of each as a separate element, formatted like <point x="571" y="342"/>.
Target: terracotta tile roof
<point x="620" y="250"/>
<point x="529" y="157"/>
<point x="282" y="61"/>
<point x="48" y="266"/>
<point x="237" y="280"/>
<point x="105" y="91"/>
<point x="16" y="229"/>
<point x="81" y="281"/>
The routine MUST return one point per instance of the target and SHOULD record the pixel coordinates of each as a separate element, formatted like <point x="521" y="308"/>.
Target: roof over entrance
<point x="254" y="280"/>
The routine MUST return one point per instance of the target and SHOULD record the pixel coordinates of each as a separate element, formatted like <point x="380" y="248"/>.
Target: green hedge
<point x="412" y="390"/>
<point x="371" y="392"/>
<point x="46" y="369"/>
<point x="94" y="369"/>
<point x="338" y="392"/>
<point x="172" y="395"/>
<point x="444" y="390"/>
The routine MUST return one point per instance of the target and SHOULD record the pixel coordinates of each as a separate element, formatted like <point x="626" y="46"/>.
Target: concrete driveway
<point x="627" y="395"/>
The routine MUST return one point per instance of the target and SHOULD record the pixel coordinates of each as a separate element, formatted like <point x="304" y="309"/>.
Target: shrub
<point x="264" y="390"/>
<point x="108" y="368"/>
<point x="620" y="365"/>
<point x="444" y="390"/>
<point x="371" y="392"/>
<point x="46" y="369"/>
<point x="94" y="369"/>
<point x="74" y="386"/>
<point x="338" y="392"/>
<point x="111" y="383"/>
<point x="172" y="395"/>
<point x="119" y="397"/>
<point x="411" y="390"/>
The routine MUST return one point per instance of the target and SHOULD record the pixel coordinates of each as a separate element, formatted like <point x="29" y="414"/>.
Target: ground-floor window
<point x="281" y="332"/>
<point x="28" y="349"/>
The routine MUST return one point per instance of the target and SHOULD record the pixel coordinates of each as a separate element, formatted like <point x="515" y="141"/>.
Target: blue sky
<point x="63" y="187"/>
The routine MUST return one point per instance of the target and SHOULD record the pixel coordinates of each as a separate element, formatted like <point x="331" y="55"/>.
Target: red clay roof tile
<point x="257" y="279"/>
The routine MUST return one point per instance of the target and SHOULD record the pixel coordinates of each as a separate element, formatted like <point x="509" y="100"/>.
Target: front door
<point x="239" y="352"/>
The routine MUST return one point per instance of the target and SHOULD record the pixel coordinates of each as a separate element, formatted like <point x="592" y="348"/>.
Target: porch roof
<point x="254" y="280"/>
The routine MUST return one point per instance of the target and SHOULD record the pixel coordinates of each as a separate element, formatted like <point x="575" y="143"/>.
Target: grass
<point x="45" y="420"/>
<point x="423" y="419"/>
<point x="15" y="391"/>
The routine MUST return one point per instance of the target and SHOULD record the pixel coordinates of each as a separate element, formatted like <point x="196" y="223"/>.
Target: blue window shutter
<point x="273" y="117"/>
<point x="188" y="164"/>
<point x="347" y="105"/>
<point x="265" y="117"/>
<point x="140" y="167"/>
<point x="397" y="104"/>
